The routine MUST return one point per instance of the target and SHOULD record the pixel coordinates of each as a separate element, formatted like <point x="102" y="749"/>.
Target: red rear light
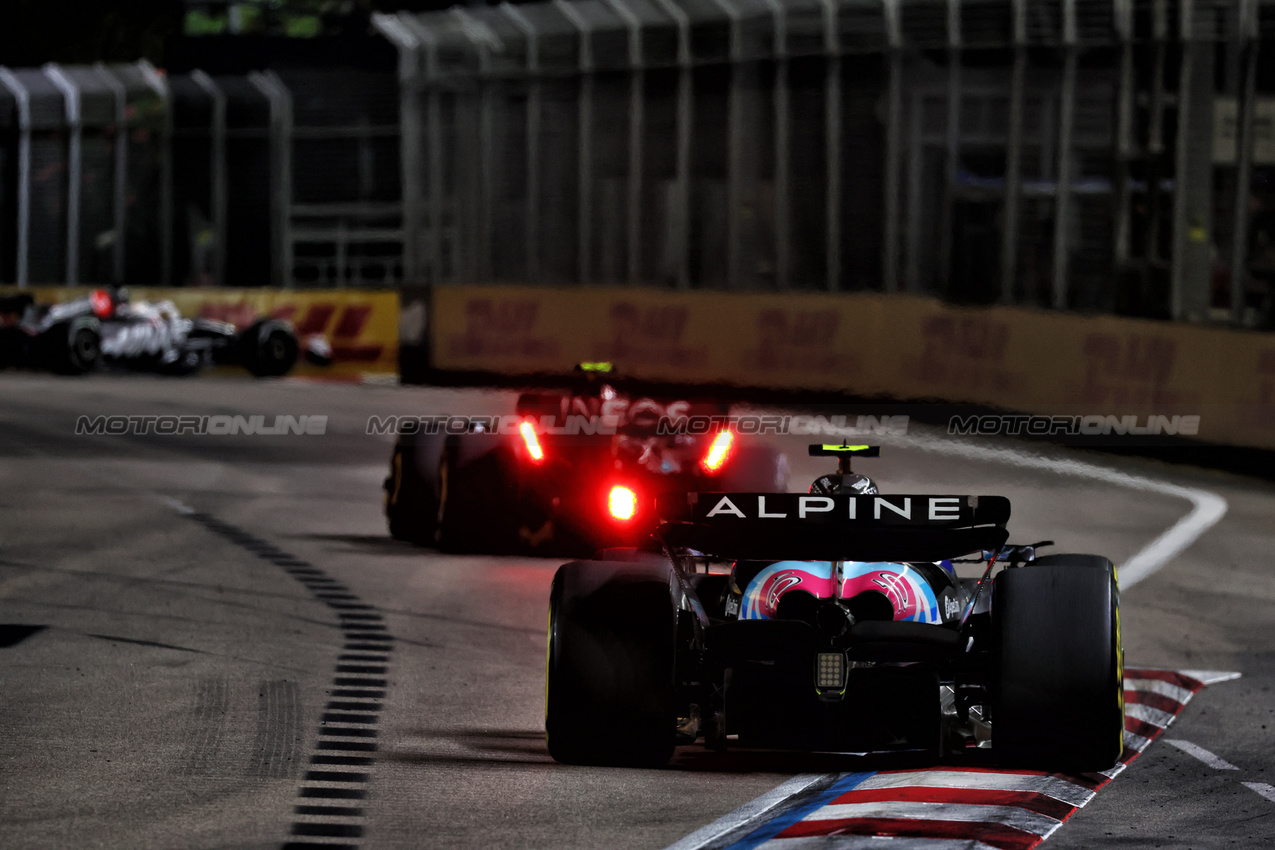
<point x="531" y="440"/>
<point x="718" y="451"/>
<point x="101" y="301"/>
<point x="622" y="502"/>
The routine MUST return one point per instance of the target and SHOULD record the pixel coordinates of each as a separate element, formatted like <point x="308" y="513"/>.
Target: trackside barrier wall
<point x="361" y="325"/>
<point x="903" y="347"/>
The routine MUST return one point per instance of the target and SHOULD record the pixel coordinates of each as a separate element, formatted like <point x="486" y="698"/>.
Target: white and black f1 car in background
<point x="833" y="621"/>
<point x="63" y="338"/>
<point x="569" y="472"/>
<point x="106" y="327"/>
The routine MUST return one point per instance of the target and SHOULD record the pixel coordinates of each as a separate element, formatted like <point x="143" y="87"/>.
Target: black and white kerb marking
<point x="330" y="801"/>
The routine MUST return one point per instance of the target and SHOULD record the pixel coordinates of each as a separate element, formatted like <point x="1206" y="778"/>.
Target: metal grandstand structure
<point x="1105" y="155"/>
<point x="1051" y="152"/>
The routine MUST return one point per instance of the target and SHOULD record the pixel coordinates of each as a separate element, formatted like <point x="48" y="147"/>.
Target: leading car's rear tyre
<point x="609" y="698"/>
<point x="1058" y="694"/>
<point x="411" y="507"/>
<point x="475" y="506"/>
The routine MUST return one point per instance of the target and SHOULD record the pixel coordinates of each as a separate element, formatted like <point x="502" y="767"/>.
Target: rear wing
<point x="797" y="526"/>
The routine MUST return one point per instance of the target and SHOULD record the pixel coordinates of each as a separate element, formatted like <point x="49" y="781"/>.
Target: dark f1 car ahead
<point x="568" y="472"/>
<point x="837" y="625"/>
<point x="104" y="326"/>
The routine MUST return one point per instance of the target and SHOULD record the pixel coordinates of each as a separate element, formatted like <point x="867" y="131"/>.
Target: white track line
<point x="750" y="811"/>
<point x="1207" y="508"/>
<point x="1198" y="752"/>
<point x="858" y="842"/>
<point x="1012" y="816"/>
<point x="177" y="505"/>
<point x="1262" y="788"/>
<point x="1210" y="677"/>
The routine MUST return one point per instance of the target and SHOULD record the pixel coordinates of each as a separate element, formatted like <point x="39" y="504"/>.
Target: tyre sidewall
<point x="1058" y="688"/>
<point x="611" y="665"/>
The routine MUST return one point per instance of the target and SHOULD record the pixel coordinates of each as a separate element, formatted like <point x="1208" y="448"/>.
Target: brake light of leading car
<point x="622" y="502"/>
<point x="532" y="442"/>
<point x="718" y="451"/>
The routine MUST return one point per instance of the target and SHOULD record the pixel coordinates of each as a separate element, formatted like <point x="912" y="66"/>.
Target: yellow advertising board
<point x="361" y="326"/>
<point x="903" y="347"/>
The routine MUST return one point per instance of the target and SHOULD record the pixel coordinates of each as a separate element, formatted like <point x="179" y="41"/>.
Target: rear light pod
<point x="830" y="673"/>
<point x="621" y="503"/>
<point x="531" y="441"/>
<point x="718" y="451"/>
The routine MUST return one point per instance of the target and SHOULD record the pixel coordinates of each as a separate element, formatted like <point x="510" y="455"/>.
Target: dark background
<point x="33" y="32"/>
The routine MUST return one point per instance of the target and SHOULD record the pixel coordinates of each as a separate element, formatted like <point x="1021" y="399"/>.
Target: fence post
<point x="120" y="199"/>
<point x="832" y="142"/>
<point x="409" y="147"/>
<point x="482" y="38"/>
<point x="637" y="86"/>
<point x="734" y="148"/>
<point x="218" y="172"/>
<point x="783" y="262"/>
<point x="953" y="142"/>
<point x="585" y="174"/>
<point x="1192" y="179"/>
<point x="1014" y="157"/>
<point x="23" y="100"/>
<point x="893" y="142"/>
<point x="74" y="167"/>
<point x="1246" y="107"/>
<point x="1124" y="133"/>
<point x="532" y="248"/>
<point x="1062" y="190"/>
<point x="159" y="85"/>
<point x="684" y="104"/>
<point x="280" y="98"/>
<point x="428" y="47"/>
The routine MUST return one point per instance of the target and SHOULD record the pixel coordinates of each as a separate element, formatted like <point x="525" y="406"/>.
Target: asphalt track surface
<point x="182" y="616"/>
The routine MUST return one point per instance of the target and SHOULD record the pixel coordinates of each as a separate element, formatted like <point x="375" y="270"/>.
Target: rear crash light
<point x="622" y="502"/>
<point x="531" y="440"/>
<point x="830" y="671"/>
<point x="718" y="451"/>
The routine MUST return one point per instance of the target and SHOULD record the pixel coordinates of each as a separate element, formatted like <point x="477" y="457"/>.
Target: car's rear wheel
<point x="410" y="508"/>
<point x="475" y="507"/>
<point x="74" y="347"/>
<point x="609" y="697"/>
<point x="454" y="525"/>
<point x="1058" y="693"/>
<point x="271" y="349"/>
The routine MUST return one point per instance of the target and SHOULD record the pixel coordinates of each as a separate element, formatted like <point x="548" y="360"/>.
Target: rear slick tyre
<point x="609" y="697"/>
<point x="1058" y="693"/>
<point x="410" y="508"/>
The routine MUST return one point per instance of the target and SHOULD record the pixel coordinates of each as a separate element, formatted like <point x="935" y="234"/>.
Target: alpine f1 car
<point x="834" y="621"/>
<point x="568" y="472"/>
<point x="106" y="327"/>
